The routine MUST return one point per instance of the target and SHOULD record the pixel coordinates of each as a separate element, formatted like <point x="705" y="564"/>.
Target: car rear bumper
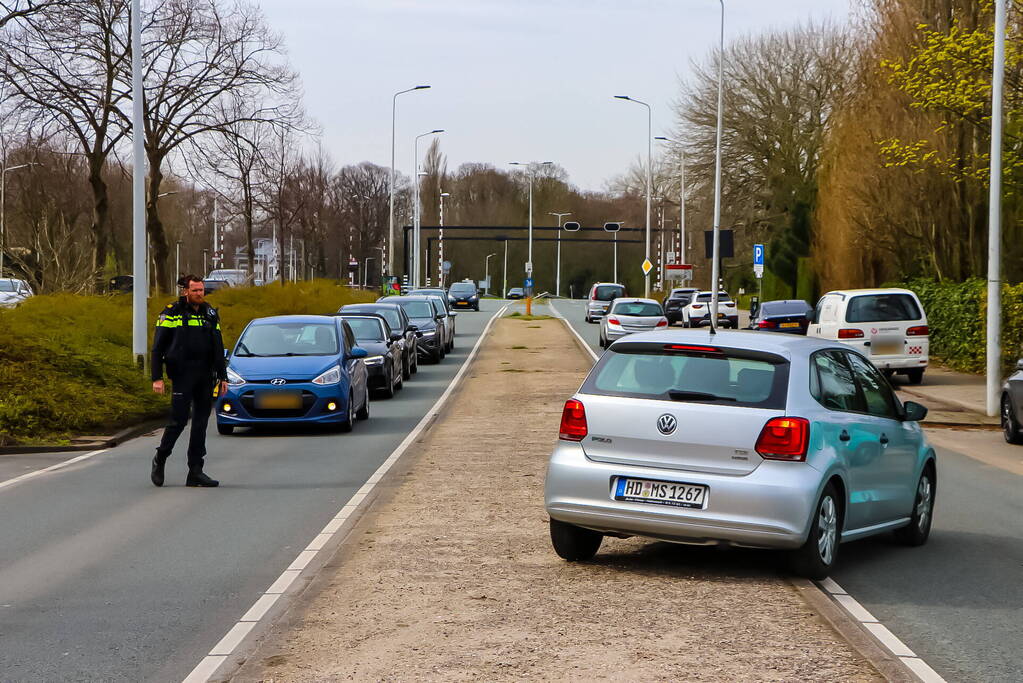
<point x="597" y="310"/>
<point x="730" y="320"/>
<point x="767" y="508"/>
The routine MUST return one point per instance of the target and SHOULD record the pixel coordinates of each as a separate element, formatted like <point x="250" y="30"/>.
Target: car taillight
<point x="697" y="306"/>
<point x="662" y="323"/>
<point x="850" y="333"/>
<point x="766" y="324"/>
<point x="613" y="321"/>
<point x="784" y="438"/>
<point x="918" y="331"/>
<point x="573" y="421"/>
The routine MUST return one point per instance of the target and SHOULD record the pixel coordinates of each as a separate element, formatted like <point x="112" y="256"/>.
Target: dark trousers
<point x="191" y="392"/>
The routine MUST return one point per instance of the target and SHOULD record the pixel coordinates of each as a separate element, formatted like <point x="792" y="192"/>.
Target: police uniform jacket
<point x="188" y="341"/>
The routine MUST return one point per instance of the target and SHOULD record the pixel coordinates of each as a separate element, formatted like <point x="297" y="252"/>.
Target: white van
<point x="887" y="325"/>
<point x="238" y="277"/>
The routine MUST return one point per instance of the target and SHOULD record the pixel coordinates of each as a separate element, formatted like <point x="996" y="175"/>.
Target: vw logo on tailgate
<point x="279" y="381"/>
<point x="666" y="424"/>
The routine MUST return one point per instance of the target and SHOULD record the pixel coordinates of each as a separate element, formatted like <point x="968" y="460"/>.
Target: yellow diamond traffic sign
<point x="647" y="266"/>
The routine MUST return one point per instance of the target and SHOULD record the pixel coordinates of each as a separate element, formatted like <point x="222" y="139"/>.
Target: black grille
<point x="249" y="403"/>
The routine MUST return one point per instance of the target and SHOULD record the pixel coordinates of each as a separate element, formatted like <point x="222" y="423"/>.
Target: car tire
<point x="406" y="368"/>
<point x="387" y="391"/>
<point x="363" y="412"/>
<point x="919" y="527"/>
<point x="350" y="422"/>
<point x="888" y="374"/>
<point x="574" y="543"/>
<point x="415" y="361"/>
<point x="1010" y="427"/>
<point x="602" y="343"/>
<point x="401" y="381"/>
<point x="225" y="429"/>
<point x="437" y="356"/>
<point x="915" y="375"/>
<point x="815" y="558"/>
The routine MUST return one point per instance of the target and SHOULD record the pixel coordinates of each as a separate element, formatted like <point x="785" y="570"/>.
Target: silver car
<point x="628" y="316"/>
<point x="13" y="292"/>
<point x="738" y="438"/>
<point x="1012" y="406"/>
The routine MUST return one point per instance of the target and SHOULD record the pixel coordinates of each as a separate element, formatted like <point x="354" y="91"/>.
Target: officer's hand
<point x="223" y="389"/>
<point x="158" y="386"/>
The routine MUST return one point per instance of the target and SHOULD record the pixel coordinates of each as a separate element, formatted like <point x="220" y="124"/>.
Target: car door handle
<point x="844" y="436"/>
<point x="884" y="439"/>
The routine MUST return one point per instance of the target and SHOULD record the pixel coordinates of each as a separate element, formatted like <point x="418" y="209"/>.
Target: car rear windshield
<point x="462" y="288"/>
<point x="735" y="378"/>
<point x="705" y="296"/>
<point x="366" y="329"/>
<point x="681" y="295"/>
<point x="417" y="309"/>
<point x="880" y="308"/>
<point x="642" y="308"/>
<point x="608" y="292"/>
<point x="785" y="308"/>
<point x="289" y="339"/>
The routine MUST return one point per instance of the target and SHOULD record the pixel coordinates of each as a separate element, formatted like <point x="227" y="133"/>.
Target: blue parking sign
<point x="758" y="254"/>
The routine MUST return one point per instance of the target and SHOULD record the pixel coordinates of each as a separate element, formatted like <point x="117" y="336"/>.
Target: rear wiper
<point x="678" y="395"/>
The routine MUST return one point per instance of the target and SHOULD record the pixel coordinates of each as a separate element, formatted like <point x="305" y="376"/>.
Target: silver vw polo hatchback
<point x="737" y="439"/>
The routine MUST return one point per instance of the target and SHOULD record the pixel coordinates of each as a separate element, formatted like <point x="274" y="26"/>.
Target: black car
<point x="399" y="322"/>
<point x="676" y="301"/>
<point x="383" y="361"/>
<point x="786" y="315"/>
<point x="431" y="331"/>
<point x="464" y="295"/>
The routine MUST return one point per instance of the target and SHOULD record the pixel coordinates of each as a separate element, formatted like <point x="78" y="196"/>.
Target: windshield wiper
<point x="250" y="355"/>
<point x="679" y="395"/>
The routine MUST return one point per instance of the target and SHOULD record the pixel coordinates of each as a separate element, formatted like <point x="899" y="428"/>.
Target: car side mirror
<point x="453" y="314"/>
<point x="395" y="336"/>
<point x="412" y="328"/>
<point x="358" y="352"/>
<point x="440" y="316"/>
<point x="913" y="411"/>
<point x="227" y="354"/>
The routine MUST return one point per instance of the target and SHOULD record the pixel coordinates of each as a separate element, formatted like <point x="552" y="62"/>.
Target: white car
<point x="887" y="325"/>
<point x="628" y="316"/>
<point x="238" y="277"/>
<point x="13" y="292"/>
<point x="697" y="312"/>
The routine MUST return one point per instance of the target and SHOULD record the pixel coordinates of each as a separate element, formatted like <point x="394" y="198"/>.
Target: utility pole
<point x="994" y="238"/>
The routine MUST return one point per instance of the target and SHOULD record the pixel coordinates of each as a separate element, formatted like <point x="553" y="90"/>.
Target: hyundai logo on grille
<point x="666" y="424"/>
<point x="279" y="381"/>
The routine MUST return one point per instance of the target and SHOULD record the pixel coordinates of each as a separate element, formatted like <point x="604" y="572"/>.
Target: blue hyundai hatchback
<point x="295" y="369"/>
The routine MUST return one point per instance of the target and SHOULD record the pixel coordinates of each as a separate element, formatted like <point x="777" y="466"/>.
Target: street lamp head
<point x="445" y="194"/>
<point x="439" y="130"/>
<point x="421" y="87"/>
<point x="622" y="97"/>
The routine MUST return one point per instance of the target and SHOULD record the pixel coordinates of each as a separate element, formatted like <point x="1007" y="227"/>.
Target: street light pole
<point x="486" y="271"/>
<point x="140" y="278"/>
<point x="994" y="238"/>
<point x="3" y="198"/>
<point x="415" y="205"/>
<point x="557" y="278"/>
<point x="530" y="172"/>
<point x="715" y="252"/>
<point x="505" y="292"/>
<point x="390" y="229"/>
<point x="649" y="181"/>
<point x="440" y="241"/>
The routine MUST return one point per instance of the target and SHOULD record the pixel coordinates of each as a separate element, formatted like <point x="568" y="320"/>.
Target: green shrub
<point x="65" y="360"/>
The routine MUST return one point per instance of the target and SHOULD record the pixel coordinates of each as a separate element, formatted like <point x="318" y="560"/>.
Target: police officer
<point x="189" y="344"/>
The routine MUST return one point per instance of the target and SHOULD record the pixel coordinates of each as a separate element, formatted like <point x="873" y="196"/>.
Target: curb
<point x="962" y="405"/>
<point x="115" y="439"/>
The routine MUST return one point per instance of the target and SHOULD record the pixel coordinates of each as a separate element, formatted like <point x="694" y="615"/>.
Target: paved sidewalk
<point x="951" y="397"/>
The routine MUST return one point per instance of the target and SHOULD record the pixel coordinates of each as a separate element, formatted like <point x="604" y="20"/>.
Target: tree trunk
<point x="100" y="218"/>
<point x="157" y="236"/>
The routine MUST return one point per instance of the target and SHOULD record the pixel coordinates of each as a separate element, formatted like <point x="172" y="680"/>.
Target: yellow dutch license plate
<point x="790" y="324"/>
<point x="279" y="400"/>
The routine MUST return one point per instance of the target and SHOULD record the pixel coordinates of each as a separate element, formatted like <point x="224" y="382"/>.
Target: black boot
<point x="156" y="475"/>
<point x="199" y="478"/>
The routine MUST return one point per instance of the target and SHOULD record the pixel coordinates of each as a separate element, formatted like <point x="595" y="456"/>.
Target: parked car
<point x="760" y="441"/>
<point x="214" y="285"/>
<point x="399" y="322"/>
<point x="383" y="360"/>
<point x="446" y="317"/>
<point x="238" y="277"/>
<point x="628" y="316"/>
<point x="600" y="298"/>
<point x="431" y="333"/>
<point x="464" y="295"/>
<point x="697" y="312"/>
<point x="1012" y="406"/>
<point x="516" y="293"/>
<point x="303" y="369"/>
<point x="13" y="292"/>
<point x="888" y="325"/>
<point x="791" y="316"/>
<point x="675" y="301"/>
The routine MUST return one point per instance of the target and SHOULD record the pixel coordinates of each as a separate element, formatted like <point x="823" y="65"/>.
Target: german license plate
<point x="790" y="324"/>
<point x="672" y="493"/>
<point x="279" y="400"/>
<point x="885" y="348"/>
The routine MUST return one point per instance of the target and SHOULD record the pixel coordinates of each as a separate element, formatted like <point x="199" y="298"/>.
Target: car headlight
<point x="373" y="360"/>
<point x="429" y="333"/>
<point x="234" y="379"/>
<point x="331" y="376"/>
<point x="473" y="298"/>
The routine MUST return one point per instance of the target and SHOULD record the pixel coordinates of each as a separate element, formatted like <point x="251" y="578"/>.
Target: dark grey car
<point x="431" y="333"/>
<point x="1012" y="406"/>
<point x="399" y="322"/>
<point x="383" y="361"/>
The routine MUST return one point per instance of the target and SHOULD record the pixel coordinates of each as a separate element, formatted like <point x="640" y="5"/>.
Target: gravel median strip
<point x="452" y="577"/>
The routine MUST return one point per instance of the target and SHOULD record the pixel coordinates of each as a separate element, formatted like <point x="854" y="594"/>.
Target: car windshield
<point x="385" y="312"/>
<point x="722" y="297"/>
<point x="438" y="307"/>
<point x="880" y="308"/>
<point x="289" y="339"/>
<point x="784" y="308"/>
<point x="462" y="288"/>
<point x="636" y="308"/>
<point x="726" y="379"/>
<point x="8" y="286"/>
<point x="417" y="309"/>
<point x="366" y="329"/>
<point x="608" y="292"/>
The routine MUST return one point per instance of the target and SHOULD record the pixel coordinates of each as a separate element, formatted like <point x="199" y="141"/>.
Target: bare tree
<point x="24" y="9"/>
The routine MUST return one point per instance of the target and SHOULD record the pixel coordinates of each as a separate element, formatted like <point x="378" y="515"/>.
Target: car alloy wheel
<point x="350" y="423"/>
<point x="363" y="413"/>
<point x="827" y="530"/>
<point x="1010" y="429"/>
<point x="923" y="503"/>
<point x="919" y="527"/>
<point x="815" y="558"/>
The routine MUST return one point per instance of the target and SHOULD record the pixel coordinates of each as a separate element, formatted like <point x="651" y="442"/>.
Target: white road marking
<point x="208" y="665"/>
<point x="558" y="315"/>
<point x="915" y="664"/>
<point x="51" y="468"/>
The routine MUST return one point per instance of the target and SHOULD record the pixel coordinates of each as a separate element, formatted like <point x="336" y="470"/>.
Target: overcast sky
<point x="513" y="80"/>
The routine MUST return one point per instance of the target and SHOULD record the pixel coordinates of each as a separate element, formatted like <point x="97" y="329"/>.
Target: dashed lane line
<point x="208" y="665"/>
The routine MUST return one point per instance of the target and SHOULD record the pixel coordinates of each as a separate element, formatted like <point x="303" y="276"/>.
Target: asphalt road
<point x="957" y="601"/>
<point x="104" y="577"/>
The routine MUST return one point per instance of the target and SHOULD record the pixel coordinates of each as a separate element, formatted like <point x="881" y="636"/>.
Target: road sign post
<point x="758" y="269"/>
